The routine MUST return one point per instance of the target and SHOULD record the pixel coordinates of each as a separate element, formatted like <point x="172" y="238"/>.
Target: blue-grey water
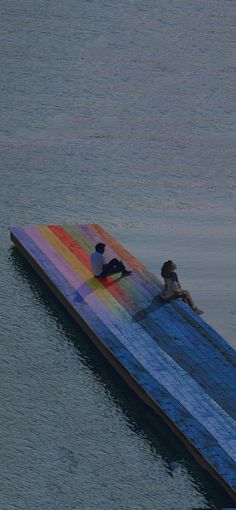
<point x="122" y="114"/>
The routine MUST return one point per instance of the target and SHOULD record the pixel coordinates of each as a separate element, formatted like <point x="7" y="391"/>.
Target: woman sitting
<point x="173" y="289"/>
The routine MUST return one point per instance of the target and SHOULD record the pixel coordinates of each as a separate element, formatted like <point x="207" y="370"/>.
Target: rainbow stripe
<point x="177" y="361"/>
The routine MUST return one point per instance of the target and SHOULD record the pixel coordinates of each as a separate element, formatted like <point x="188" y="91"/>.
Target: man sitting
<point x="100" y="268"/>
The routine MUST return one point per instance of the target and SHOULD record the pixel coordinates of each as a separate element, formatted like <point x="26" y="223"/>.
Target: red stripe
<point x="114" y="288"/>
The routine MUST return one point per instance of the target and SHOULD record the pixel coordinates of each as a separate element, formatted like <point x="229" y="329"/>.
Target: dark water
<point x="120" y="114"/>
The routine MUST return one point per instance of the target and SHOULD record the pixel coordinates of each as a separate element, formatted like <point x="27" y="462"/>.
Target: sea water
<point x="122" y="114"/>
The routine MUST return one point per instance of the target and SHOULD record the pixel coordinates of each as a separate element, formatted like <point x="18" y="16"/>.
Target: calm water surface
<point x="120" y="114"/>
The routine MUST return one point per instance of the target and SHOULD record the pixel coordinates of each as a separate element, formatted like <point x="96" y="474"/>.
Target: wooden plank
<point x="142" y="351"/>
<point x="192" y="353"/>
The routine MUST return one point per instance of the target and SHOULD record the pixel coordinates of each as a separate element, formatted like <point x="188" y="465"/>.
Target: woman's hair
<point x="166" y="269"/>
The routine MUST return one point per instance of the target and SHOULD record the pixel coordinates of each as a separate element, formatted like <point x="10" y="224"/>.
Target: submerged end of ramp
<point x="169" y="356"/>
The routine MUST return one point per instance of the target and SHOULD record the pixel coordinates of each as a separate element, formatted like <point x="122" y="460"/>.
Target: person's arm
<point x="103" y="261"/>
<point x="175" y="283"/>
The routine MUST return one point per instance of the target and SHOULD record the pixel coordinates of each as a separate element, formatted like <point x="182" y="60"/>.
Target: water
<point x="119" y="114"/>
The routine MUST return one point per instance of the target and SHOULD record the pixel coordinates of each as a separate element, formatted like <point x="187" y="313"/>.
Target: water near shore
<point x="119" y="114"/>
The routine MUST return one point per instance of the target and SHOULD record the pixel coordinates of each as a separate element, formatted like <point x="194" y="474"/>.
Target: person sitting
<point x="173" y="289"/>
<point x="100" y="268"/>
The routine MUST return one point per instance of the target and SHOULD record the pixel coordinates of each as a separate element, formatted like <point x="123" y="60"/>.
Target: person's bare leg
<point x="187" y="298"/>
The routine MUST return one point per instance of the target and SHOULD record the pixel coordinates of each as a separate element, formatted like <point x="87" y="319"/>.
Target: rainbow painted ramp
<point x="173" y="360"/>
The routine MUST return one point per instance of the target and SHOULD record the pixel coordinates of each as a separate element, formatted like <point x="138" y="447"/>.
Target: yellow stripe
<point x="82" y="271"/>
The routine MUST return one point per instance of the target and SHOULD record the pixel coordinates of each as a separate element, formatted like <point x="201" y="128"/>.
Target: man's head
<point x="100" y="247"/>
